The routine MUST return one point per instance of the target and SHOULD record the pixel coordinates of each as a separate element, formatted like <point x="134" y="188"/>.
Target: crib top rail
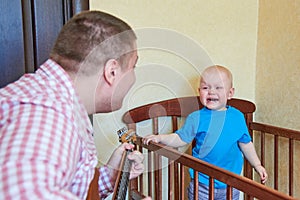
<point x="179" y="107"/>
<point x="274" y="130"/>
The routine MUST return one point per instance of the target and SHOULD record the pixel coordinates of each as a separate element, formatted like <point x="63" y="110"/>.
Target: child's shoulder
<point x="197" y="113"/>
<point x="234" y="111"/>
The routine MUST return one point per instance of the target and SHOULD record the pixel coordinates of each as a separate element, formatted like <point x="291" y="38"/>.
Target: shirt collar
<point x="55" y="72"/>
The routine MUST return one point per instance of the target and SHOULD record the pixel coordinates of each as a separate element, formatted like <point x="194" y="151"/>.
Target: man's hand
<point x="137" y="165"/>
<point x="147" y="198"/>
<point x="136" y="156"/>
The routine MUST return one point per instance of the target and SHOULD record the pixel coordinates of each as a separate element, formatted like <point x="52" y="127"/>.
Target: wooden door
<point x="28" y="29"/>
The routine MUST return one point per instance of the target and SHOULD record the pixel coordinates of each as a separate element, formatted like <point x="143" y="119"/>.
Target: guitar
<point x="122" y="181"/>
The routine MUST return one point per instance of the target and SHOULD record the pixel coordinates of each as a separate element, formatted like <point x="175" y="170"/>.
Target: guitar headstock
<point x="126" y="135"/>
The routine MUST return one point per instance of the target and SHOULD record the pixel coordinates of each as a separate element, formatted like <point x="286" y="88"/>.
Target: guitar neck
<point x="124" y="179"/>
<point x="123" y="175"/>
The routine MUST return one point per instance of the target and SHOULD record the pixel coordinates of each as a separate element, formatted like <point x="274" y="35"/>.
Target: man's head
<point x="98" y="51"/>
<point x="216" y="87"/>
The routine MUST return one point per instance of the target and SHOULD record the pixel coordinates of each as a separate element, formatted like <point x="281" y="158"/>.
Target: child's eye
<point x="204" y="88"/>
<point x="219" y="87"/>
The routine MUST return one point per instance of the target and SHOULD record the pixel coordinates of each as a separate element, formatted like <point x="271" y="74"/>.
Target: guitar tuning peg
<point x="122" y="131"/>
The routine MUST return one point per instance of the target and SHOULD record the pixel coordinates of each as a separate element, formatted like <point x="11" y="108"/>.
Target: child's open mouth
<point x="212" y="99"/>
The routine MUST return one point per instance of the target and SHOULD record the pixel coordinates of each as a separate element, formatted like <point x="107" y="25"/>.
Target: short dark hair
<point x="89" y="30"/>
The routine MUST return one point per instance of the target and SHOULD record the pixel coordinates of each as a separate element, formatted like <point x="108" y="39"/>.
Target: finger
<point x="264" y="177"/>
<point x="136" y="156"/>
<point x="138" y="167"/>
<point x="136" y="170"/>
<point x="127" y="146"/>
<point x="146" y="141"/>
<point x="148" y="138"/>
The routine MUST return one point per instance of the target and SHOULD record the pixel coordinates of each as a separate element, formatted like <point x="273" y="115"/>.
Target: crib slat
<point x="196" y="185"/>
<point x="182" y="181"/>
<point x="229" y="192"/>
<point x="157" y="176"/>
<point x="291" y="167"/>
<point x="211" y="191"/>
<point x="174" y="123"/>
<point x="171" y="174"/>
<point x="276" y="162"/>
<point x="150" y="170"/>
<point x="176" y="179"/>
<point x="262" y="147"/>
<point x="248" y="172"/>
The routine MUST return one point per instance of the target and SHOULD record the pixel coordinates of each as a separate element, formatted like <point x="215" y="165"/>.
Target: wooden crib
<point x="172" y="183"/>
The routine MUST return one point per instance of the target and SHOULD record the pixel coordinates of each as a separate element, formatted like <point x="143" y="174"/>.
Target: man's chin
<point x="115" y="107"/>
<point x="108" y="110"/>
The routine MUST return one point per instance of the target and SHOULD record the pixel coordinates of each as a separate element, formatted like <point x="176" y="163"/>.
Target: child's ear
<point x="110" y="70"/>
<point x="231" y="93"/>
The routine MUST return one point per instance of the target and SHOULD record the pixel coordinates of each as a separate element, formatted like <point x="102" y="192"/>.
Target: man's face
<point x="124" y="82"/>
<point x="109" y="95"/>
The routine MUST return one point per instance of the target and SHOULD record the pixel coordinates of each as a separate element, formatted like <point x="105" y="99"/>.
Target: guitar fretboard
<point x="123" y="185"/>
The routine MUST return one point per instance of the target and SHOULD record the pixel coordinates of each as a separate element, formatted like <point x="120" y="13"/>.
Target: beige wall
<point x="197" y="33"/>
<point x="277" y="77"/>
<point x="278" y="63"/>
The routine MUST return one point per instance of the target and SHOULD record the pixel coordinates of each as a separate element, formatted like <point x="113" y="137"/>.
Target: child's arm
<point x="250" y="154"/>
<point x="172" y="139"/>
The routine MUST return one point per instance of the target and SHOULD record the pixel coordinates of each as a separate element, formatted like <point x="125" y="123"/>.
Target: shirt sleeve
<point x="105" y="182"/>
<point x="245" y="136"/>
<point x="189" y="130"/>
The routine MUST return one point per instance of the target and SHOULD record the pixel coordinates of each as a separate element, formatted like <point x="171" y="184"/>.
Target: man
<point x="47" y="149"/>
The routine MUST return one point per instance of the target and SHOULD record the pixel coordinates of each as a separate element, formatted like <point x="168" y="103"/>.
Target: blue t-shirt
<point x="217" y="134"/>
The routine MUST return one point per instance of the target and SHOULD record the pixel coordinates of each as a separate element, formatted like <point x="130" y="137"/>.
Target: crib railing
<point x="178" y="108"/>
<point x="263" y="134"/>
<point x="176" y="172"/>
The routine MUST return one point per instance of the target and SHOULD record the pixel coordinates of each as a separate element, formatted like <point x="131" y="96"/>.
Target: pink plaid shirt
<point x="47" y="149"/>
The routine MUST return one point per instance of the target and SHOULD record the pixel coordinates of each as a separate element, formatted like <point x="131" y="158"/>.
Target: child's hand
<point x="148" y="138"/>
<point x="262" y="173"/>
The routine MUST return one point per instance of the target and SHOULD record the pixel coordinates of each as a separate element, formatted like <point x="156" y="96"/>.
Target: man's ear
<point x="110" y="70"/>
